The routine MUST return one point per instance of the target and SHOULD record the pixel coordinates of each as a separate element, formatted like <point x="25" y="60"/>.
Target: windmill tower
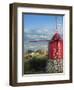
<point x="55" y="63"/>
<point x="56" y="43"/>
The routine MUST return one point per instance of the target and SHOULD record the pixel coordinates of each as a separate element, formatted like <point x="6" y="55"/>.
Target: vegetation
<point x="38" y="62"/>
<point x="35" y="62"/>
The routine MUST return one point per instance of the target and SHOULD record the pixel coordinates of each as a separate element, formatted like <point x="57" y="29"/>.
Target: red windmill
<point x="56" y="47"/>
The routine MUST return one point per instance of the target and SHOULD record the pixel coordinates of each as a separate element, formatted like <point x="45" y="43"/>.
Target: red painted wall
<point x="56" y="47"/>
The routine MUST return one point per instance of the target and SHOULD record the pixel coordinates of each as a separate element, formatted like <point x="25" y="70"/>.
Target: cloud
<point x="38" y="34"/>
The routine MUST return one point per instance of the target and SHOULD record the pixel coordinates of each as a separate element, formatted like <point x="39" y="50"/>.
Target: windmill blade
<point x="40" y="41"/>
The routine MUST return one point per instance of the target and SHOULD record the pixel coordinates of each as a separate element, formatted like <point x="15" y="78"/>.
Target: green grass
<point x="37" y="64"/>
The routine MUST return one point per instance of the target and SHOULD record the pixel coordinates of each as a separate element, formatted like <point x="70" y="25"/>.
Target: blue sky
<point x="41" y="27"/>
<point x="35" y="21"/>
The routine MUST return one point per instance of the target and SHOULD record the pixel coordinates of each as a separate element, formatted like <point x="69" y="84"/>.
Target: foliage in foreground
<point x="38" y="62"/>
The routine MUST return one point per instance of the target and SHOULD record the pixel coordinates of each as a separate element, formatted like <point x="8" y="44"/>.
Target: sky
<point x="40" y="27"/>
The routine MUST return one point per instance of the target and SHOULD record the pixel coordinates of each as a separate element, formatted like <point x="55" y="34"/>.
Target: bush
<point x="35" y="65"/>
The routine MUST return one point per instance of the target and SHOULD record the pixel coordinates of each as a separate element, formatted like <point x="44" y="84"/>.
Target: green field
<point x="38" y="62"/>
